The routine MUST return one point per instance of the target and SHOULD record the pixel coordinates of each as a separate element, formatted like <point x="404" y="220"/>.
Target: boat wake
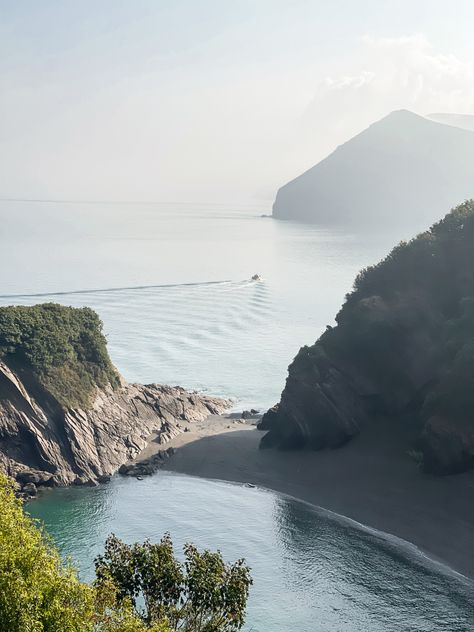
<point x="230" y="284"/>
<point x="177" y="333"/>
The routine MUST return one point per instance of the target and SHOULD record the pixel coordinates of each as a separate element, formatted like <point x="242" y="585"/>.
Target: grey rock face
<point x="447" y="448"/>
<point x="42" y="443"/>
<point x="382" y="358"/>
<point x="30" y="489"/>
<point x="319" y="407"/>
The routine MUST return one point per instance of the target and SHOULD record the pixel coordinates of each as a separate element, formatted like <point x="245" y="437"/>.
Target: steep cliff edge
<point x="66" y="416"/>
<point x="403" y="345"/>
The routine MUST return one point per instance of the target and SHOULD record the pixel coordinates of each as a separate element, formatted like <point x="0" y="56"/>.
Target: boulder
<point x="29" y="489"/>
<point x="447" y="446"/>
<point x="28" y="477"/>
<point x="83" y="481"/>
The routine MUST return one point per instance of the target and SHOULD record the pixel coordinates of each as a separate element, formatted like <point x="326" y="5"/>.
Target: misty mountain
<point x="403" y="170"/>
<point x="464" y="121"/>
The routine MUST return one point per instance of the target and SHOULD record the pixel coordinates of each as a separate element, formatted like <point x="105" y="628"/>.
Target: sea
<point x="173" y="286"/>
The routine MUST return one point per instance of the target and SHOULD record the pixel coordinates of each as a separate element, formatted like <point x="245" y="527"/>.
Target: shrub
<point x="63" y="348"/>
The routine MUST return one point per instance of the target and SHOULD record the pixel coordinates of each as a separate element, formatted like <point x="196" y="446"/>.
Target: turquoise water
<point x="172" y="287"/>
<point x="311" y="573"/>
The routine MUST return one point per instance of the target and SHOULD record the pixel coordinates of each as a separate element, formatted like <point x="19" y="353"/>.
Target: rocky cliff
<point x="46" y="444"/>
<point x="66" y="416"/>
<point x="403" y="346"/>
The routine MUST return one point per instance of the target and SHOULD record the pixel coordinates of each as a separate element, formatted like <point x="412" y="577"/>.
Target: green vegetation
<point x="437" y="262"/>
<point x="202" y="595"/>
<point x="37" y="591"/>
<point x="417" y="305"/>
<point x="403" y="348"/>
<point x="40" y="593"/>
<point x="63" y="348"/>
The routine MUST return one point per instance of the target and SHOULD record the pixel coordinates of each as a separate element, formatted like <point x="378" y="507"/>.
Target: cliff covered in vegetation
<point x="403" y="346"/>
<point x="66" y="415"/>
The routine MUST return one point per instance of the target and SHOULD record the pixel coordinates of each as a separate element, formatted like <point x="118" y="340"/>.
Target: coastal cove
<point x="237" y="317"/>
<point x="370" y="481"/>
<point x="169" y="318"/>
<point x="327" y="572"/>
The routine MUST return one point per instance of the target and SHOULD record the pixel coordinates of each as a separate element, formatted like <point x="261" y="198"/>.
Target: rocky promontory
<point x="66" y="416"/>
<point x="402" y="349"/>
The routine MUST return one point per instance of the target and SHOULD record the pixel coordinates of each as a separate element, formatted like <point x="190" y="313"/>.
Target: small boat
<point x="257" y="277"/>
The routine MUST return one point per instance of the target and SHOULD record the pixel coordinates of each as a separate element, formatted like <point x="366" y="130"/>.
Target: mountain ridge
<point x="402" y="170"/>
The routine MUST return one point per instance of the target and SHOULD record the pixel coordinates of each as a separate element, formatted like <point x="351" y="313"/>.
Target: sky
<point x="218" y="101"/>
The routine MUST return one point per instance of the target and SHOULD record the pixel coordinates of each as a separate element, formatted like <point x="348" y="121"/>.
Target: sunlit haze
<point x="176" y="100"/>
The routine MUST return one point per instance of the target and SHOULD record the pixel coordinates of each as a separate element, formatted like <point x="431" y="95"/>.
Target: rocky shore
<point x="45" y="444"/>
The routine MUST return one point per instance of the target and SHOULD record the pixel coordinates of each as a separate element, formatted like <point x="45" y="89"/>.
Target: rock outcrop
<point x="403" y="171"/>
<point x="44" y="443"/>
<point x="403" y="345"/>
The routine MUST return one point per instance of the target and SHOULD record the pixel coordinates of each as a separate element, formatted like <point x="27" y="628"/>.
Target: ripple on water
<point x="179" y="333"/>
<point x="311" y="572"/>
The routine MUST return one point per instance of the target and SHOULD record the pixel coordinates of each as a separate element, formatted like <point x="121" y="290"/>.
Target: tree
<point x="41" y="593"/>
<point x="203" y="594"/>
<point x="114" y="614"/>
<point x="38" y="592"/>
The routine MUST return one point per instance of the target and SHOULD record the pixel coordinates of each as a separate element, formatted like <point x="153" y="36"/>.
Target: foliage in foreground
<point x="63" y="348"/>
<point x="202" y="595"/>
<point x="37" y="591"/>
<point x="41" y="593"/>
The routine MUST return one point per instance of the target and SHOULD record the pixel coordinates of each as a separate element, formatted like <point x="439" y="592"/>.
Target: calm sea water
<point x="311" y="573"/>
<point x="172" y="287"/>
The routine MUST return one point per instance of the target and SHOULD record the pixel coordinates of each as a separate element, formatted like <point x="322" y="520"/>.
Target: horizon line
<point x="124" y="202"/>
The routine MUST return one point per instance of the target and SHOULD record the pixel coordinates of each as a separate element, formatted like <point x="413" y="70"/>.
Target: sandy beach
<point x="371" y="480"/>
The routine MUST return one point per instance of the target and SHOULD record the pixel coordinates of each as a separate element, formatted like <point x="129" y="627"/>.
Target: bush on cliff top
<point x="63" y="347"/>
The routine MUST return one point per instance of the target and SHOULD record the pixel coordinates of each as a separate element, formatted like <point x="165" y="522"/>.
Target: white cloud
<point x="213" y="127"/>
<point x="383" y="75"/>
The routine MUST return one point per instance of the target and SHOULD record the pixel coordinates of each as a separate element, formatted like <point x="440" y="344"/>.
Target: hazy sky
<point x="211" y="100"/>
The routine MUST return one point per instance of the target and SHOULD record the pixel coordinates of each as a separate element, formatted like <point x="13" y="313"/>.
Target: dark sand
<point x="371" y="480"/>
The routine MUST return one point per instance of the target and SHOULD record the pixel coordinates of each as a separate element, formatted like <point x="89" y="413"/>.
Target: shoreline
<point x="371" y="482"/>
<point x="389" y="539"/>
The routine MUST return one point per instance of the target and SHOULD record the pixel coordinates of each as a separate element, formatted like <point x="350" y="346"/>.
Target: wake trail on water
<point x="231" y="285"/>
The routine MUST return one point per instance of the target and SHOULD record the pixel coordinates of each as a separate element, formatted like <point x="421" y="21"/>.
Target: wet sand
<point x="371" y="480"/>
